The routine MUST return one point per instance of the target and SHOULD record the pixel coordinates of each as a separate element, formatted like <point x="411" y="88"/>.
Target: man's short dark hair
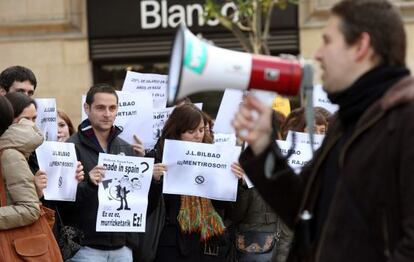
<point x="16" y="73"/>
<point x="381" y="20"/>
<point x="100" y="88"/>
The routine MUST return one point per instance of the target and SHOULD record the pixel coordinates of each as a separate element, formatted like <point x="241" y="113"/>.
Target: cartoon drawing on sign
<point x="157" y="129"/>
<point x="122" y="192"/>
<point x="118" y="190"/>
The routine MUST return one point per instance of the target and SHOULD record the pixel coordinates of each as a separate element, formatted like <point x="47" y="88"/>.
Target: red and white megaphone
<point x="197" y="66"/>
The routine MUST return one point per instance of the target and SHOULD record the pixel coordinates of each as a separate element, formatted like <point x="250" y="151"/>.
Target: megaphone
<point x="197" y="66"/>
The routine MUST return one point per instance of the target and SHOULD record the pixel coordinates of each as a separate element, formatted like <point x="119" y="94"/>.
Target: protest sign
<point x="304" y="138"/>
<point x="320" y="98"/>
<point x="160" y="118"/>
<point x="155" y="84"/>
<point x="301" y="154"/>
<point x="225" y="138"/>
<point x="123" y="193"/>
<point x="199" y="169"/>
<point x="228" y="107"/>
<point x="59" y="161"/>
<point x="46" y="119"/>
<point x="135" y="116"/>
<point x="83" y="113"/>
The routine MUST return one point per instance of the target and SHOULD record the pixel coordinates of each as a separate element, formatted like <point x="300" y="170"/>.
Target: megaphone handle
<point x="309" y="111"/>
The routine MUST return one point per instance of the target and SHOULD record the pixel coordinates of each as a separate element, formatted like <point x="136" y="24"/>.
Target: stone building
<point x="68" y="54"/>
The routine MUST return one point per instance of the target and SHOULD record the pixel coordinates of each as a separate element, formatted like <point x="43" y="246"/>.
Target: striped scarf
<point x="197" y="214"/>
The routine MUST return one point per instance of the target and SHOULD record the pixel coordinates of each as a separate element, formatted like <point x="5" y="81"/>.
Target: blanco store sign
<point x="158" y="14"/>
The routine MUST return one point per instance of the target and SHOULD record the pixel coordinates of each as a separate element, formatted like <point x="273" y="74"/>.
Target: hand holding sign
<point x="40" y="182"/>
<point x="138" y="146"/>
<point x="80" y="175"/>
<point x="237" y="170"/>
<point x="159" y="171"/>
<point x="97" y="174"/>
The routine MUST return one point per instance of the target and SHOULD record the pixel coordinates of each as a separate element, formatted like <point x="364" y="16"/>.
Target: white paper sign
<point x="225" y="138"/>
<point x="123" y="194"/>
<point x="47" y="118"/>
<point x="160" y="118"/>
<point x="135" y="116"/>
<point x="153" y="83"/>
<point x="230" y="105"/>
<point x="58" y="160"/>
<point x="84" y="115"/>
<point x="228" y="108"/>
<point x="300" y="156"/>
<point x="199" y="169"/>
<point x="304" y="138"/>
<point x="320" y="98"/>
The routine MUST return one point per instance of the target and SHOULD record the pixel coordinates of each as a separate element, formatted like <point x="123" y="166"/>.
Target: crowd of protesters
<point x="182" y="227"/>
<point x="222" y="222"/>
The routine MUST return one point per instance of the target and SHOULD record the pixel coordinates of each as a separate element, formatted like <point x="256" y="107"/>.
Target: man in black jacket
<point x="95" y="135"/>
<point x="353" y="202"/>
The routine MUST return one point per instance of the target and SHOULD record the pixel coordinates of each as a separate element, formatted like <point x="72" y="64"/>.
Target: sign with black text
<point x="123" y="193"/>
<point x="58" y="160"/>
<point x="154" y="84"/>
<point x="200" y="169"/>
<point x="46" y="119"/>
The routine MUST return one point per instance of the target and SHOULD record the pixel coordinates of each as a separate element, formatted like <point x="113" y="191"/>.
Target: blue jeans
<point x="88" y="254"/>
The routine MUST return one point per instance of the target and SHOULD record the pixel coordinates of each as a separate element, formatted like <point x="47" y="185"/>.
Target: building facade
<point x="70" y="44"/>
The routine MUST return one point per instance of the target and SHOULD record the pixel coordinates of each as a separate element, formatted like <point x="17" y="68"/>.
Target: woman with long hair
<point x="19" y="137"/>
<point x="193" y="230"/>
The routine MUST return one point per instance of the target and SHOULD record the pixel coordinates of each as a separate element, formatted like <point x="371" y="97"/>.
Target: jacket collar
<point x="87" y="135"/>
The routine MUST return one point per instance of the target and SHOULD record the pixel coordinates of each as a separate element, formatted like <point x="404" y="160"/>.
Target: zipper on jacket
<point x="341" y="164"/>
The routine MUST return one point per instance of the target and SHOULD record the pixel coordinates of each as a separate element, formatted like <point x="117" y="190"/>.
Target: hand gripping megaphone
<point x="196" y="66"/>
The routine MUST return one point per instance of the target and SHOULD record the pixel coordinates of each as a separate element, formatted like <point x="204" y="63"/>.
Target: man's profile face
<point x="336" y="58"/>
<point x="102" y="112"/>
<point x="24" y="87"/>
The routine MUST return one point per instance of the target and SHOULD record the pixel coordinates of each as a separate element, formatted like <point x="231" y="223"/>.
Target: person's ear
<point x="86" y="108"/>
<point x="364" y="47"/>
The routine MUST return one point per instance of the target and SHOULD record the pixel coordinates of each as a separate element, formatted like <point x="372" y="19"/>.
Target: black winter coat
<point x="84" y="212"/>
<point x="371" y="216"/>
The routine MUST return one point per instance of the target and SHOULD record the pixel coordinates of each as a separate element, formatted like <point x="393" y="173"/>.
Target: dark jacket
<point x="371" y="216"/>
<point x="250" y="213"/>
<point x="86" y="205"/>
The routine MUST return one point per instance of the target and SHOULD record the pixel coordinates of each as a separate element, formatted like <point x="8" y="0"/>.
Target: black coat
<point x="371" y="216"/>
<point x="82" y="214"/>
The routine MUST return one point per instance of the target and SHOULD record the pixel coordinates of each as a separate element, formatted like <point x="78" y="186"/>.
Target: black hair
<point x="100" y="88"/>
<point x="16" y="73"/>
